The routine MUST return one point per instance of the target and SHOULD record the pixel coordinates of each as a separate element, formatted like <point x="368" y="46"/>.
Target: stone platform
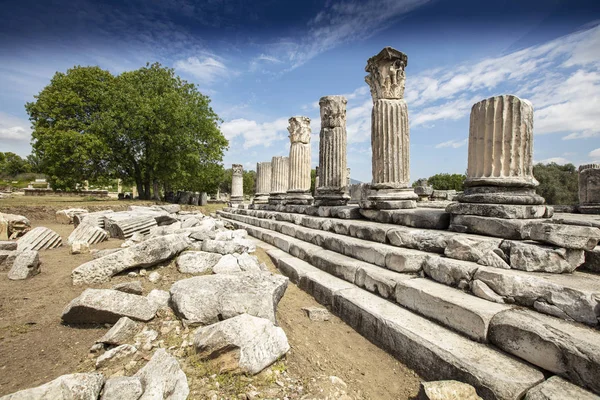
<point x="455" y="295"/>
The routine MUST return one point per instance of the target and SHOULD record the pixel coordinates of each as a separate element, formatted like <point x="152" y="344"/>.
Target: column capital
<point x="386" y="74"/>
<point x="299" y="129"/>
<point x="237" y="169"/>
<point x="333" y="111"/>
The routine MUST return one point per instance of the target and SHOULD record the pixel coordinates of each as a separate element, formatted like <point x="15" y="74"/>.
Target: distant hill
<point x="354" y="181"/>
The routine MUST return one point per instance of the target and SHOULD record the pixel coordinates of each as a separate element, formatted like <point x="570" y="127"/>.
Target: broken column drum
<point x="263" y="182"/>
<point x="589" y="189"/>
<point x="237" y="184"/>
<point x="280" y="175"/>
<point x="500" y="165"/>
<point x="332" y="172"/>
<point x="299" y="182"/>
<point x="389" y="132"/>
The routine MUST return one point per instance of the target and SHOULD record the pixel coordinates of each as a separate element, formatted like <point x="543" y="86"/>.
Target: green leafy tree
<point x="558" y="183"/>
<point x="249" y="182"/>
<point x="12" y="164"/>
<point x="447" y="181"/>
<point x="313" y="180"/>
<point x="63" y="116"/>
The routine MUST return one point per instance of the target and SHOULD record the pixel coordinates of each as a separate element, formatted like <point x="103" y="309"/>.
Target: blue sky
<point x="262" y="62"/>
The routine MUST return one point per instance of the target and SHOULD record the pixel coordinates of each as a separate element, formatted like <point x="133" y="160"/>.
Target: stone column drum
<point x="280" y="174"/>
<point x="237" y="184"/>
<point x="332" y="177"/>
<point x="263" y="182"/>
<point x="389" y="132"/>
<point x="299" y="182"/>
<point x="500" y="180"/>
<point x="589" y="189"/>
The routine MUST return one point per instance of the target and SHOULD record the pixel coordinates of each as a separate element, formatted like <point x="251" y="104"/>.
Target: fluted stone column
<point x="316" y="178"/>
<point x="589" y="189"/>
<point x="237" y="184"/>
<point x="331" y="189"/>
<point x="299" y="183"/>
<point x="263" y="182"/>
<point x="389" y="132"/>
<point x="280" y="175"/>
<point x="500" y="180"/>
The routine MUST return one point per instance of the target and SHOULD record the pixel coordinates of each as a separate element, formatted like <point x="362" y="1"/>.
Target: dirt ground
<point x="36" y="347"/>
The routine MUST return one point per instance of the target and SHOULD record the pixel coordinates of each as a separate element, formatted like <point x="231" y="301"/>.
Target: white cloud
<point x="594" y="153"/>
<point x="455" y="144"/>
<point x="557" y="160"/>
<point x="206" y="69"/>
<point x="254" y="133"/>
<point x="13" y="128"/>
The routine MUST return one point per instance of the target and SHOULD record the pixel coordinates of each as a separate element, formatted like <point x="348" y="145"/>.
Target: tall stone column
<point x="389" y="132"/>
<point x="237" y="184"/>
<point x="280" y="175"/>
<point x="589" y="189"/>
<point x="263" y="182"/>
<point x="332" y="187"/>
<point x="316" y="178"/>
<point x="500" y="181"/>
<point x="299" y="182"/>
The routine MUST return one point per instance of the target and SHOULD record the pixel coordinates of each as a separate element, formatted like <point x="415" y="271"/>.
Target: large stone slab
<point x="121" y="332"/>
<point x="242" y="344"/>
<point x="517" y="229"/>
<point x="425" y="240"/>
<point x="470" y="248"/>
<point x="575" y="296"/>
<point x="145" y="254"/>
<point x="556" y="388"/>
<point x="450" y="272"/>
<point x="40" y="238"/>
<point x="8" y="245"/>
<point x="434" y="352"/>
<point x="163" y="378"/>
<point x="99" y="306"/>
<point x="453" y="308"/>
<point x="197" y="262"/>
<point x="122" y="388"/>
<point x="567" y="236"/>
<point x="592" y="260"/>
<point x="25" y="265"/>
<point x="508" y="211"/>
<point x="204" y="300"/>
<point x="65" y="387"/>
<point x="535" y="257"/>
<point x="562" y="347"/>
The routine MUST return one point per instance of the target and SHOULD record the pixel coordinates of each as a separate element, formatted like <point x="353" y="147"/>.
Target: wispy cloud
<point x="595" y="153"/>
<point x="455" y="144"/>
<point x="13" y="128"/>
<point x="205" y="69"/>
<point x="557" y="160"/>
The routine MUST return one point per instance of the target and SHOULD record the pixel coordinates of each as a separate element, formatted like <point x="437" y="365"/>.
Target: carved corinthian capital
<point x="333" y="111"/>
<point x="237" y="169"/>
<point x="386" y="74"/>
<point x="299" y="129"/>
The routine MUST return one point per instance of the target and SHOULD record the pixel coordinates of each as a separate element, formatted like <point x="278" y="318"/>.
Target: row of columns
<point x="500" y="164"/>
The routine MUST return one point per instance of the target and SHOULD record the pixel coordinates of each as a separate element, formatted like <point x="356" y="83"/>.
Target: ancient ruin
<point x="298" y="191"/>
<point x="389" y="132"/>
<point x="331" y="189"/>
<point x="263" y="182"/>
<point x="280" y="176"/>
<point x="237" y="184"/>
<point x="589" y="189"/>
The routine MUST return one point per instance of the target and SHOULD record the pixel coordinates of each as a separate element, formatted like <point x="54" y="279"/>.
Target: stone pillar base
<point x="236" y="200"/>
<point x="390" y="199"/>
<point x="298" y="198"/>
<point x="500" y="195"/>
<point x="506" y="211"/>
<point x="331" y="198"/>
<point x="261" y="198"/>
<point x="276" y="198"/>
<point x="589" y="209"/>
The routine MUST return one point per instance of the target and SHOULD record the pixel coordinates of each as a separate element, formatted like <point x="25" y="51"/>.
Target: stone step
<point x="434" y="352"/>
<point x="570" y="296"/>
<point x="495" y="252"/>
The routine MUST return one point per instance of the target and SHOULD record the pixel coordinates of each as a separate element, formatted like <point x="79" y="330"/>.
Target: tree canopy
<point x="12" y="164"/>
<point x="558" y="183"/>
<point x="446" y="181"/>
<point x="146" y="126"/>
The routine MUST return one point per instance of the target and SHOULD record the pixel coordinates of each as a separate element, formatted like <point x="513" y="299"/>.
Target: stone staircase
<point x="440" y="303"/>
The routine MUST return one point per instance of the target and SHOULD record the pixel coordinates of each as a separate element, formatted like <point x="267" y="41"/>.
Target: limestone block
<point x="567" y="236"/>
<point x="145" y="254"/>
<point x="8" y="245"/>
<point x="562" y="347"/>
<point x="80" y="247"/>
<point x="470" y="248"/>
<point x="18" y="225"/>
<point x="210" y="298"/>
<point x="197" y="262"/>
<point x="66" y="216"/>
<point x="98" y="306"/>
<point x="134" y="287"/>
<point x="122" y="387"/>
<point x="162" y="378"/>
<point x="556" y="388"/>
<point x="25" y="265"/>
<point x="121" y="332"/>
<point x="242" y="344"/>
<point x="115" y="354"/>
<point x="447" y="390"/>
<point x="66" y="387"/>
<point x="508" y="211"/>
<point x="534" y="257"/>
<point x="592" y="260"/>
<point x="517" y="229"/>
<point x="450" y="272"/>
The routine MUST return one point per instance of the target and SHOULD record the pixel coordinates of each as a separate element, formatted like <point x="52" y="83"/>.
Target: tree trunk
<point x="155" y="190"/>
